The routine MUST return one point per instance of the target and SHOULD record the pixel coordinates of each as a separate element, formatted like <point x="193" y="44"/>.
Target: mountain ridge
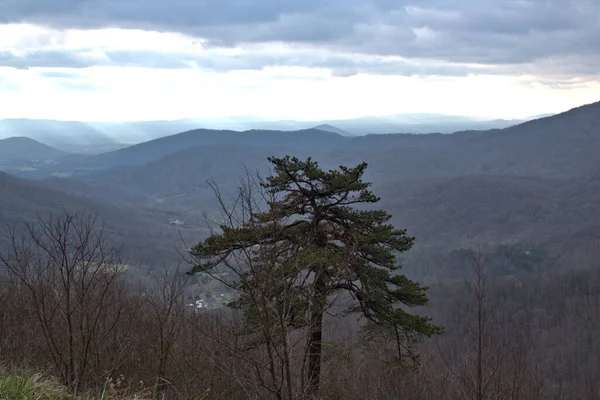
<point x="498" y="186"/>
<point x="19" y="148"/>
<point x="134" y="227"/>
<point x="516" y="148"/>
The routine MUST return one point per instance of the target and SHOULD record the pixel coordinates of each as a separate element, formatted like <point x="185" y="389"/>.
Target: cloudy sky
<point x="301" y="59"/>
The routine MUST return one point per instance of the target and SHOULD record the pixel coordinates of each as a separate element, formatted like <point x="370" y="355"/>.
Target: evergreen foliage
<point x="315" y="247"/>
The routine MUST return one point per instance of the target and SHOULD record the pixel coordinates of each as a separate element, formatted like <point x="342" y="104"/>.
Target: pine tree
<point x="315" y="241"/>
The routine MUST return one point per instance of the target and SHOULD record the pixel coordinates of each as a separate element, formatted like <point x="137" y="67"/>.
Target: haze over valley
<point x="515" y="179"/>
<point x="97" y="137"/>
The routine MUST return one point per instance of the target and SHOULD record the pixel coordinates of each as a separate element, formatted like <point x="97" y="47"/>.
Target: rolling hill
<point x="333" y="129"/>
<point x="25" y="150"/>
<point x="68" y="136"/>
<point x="560" y="146"/>
<point x="488" y="208"/>
<point x="145" y="235"/>
<point x="96" y="137"/>
<point x="533" y="182"/>
<point x="182" y="177"/>
<point x="140" y="154"/>
<point x="565" y="144"/>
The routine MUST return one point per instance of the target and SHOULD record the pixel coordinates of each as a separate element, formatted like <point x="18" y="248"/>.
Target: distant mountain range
<point x="332" y="129"/>
<point x="534" y="182"/>
<point x="516" y="148"/>
<point x="97" y="137"/>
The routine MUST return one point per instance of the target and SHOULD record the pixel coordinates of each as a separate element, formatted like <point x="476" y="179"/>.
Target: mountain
<point x="532" y="182"/>
<point x="418" y="123"/>
<point x="81" y="165"/>
<point x="99" y="137"/>
<point x="524" y="171"/>
<point x="22" y="149"/>
<point x="155" y="149"/>
<point x="180" y="180"/>
<point x="67" y="136"/>
<point x="490" y="208"/>
<point x="400" y="123"/>
<point x="145" y="235"/>
<point x="22" y="200"/>
<point x="331" y="128"/>
<point x="565" y="144"/>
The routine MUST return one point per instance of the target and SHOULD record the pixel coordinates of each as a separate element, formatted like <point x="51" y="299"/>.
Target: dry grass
<point x="19" y="384"/>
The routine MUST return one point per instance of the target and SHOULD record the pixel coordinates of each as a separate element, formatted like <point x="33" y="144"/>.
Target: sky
<point x="116" y="60"/>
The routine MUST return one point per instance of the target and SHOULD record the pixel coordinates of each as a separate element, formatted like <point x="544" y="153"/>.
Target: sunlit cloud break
<point x="112" y="60"/>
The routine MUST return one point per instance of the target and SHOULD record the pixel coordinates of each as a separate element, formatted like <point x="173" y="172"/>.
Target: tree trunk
<point x="315" y="346"/>
<point x="314" y="352"/>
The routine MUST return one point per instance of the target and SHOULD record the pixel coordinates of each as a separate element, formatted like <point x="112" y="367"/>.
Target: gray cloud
<point x="554" y="72"/>
<point x="506" y="32"/>
<point x="340" y="65"/>
<point x="81" y="59"/>
<point x="50" y="59"/>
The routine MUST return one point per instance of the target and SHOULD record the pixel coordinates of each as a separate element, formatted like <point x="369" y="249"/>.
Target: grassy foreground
<point x="17" y="385"/>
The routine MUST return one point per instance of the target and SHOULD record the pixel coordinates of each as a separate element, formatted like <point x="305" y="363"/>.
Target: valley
<point x="523" y="198"/>
<point x="471" y="188"/>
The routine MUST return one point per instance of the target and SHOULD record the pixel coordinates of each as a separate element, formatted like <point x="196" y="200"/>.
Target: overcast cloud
<point x="415" y="45"/>
<point x="459" y="31"/>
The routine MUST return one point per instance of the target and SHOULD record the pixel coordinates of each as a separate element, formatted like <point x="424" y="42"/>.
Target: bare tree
<point x="488" y="347"/>
<point x="268" y="345"/>
<point x="165" y="298"/>
<point x="69" y="273"/>
<point x="479" y="289"/>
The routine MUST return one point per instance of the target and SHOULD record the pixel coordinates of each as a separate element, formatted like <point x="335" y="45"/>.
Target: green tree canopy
<point x="320" y="241"/>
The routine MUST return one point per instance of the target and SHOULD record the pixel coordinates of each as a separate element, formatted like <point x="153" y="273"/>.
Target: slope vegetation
<point x="146" y="236"/>
<point x="22" y="149"/>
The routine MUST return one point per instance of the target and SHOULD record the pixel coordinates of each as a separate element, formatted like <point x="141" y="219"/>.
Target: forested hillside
<point x="16" y="150"/>
<point x="145" y="235"/>
<point x="476" y="188"/>
<point x="507" y="236"/>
